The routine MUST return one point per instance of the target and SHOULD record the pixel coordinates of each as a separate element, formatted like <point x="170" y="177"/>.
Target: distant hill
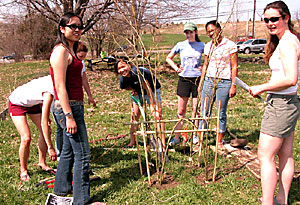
<point x="231" y="30"/>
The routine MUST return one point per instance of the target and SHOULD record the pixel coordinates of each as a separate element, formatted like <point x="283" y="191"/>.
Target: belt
<point x="75" y="102"/>
<point x="71" y="102"/>
<point x="280" y="96"/>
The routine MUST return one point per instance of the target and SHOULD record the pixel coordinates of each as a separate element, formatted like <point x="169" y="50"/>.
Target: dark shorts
<point x="186" y="86"/>
<point x="18" y="110"/>
<point x="281" y="115"/>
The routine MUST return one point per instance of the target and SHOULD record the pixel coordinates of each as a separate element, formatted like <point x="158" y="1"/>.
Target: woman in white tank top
<point x="282" y="111"/>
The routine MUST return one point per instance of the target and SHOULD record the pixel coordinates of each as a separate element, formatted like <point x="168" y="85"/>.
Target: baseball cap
<point x="190" y="26"/>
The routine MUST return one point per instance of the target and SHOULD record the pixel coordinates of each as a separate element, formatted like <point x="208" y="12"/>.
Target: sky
<point x="244" y="8"/>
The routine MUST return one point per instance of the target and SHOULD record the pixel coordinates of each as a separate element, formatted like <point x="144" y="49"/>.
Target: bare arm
<point x="87" y="89"/>
<point x="234" y="73"/>
<point x="203" y="73"/>
<point x="170" y="61"/>
<point x="45" y="123"/>
<point x="289" y="57"/>
<point x="60" y="59"/>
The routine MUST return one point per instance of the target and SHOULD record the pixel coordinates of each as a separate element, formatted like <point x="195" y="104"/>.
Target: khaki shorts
<point x="281" y="115"/>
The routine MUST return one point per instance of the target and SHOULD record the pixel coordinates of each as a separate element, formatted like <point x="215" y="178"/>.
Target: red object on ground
<point x="185" y="135"/>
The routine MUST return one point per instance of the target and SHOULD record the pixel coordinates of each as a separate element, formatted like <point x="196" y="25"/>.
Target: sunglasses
<point x="74" y="26"/>
<point x="272" y="19"/>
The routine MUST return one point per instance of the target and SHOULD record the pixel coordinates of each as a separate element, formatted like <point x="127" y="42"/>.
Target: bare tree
<point x="53" y="9"/>
<point x="297" y="17"/>
<point x="134" y="16"/>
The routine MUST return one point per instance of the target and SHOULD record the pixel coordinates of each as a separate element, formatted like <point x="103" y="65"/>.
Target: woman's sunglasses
<point x="272" y="19"/>
<point x="74" y="26"/>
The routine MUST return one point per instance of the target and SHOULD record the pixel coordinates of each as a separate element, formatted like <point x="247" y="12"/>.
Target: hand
<point x="49" y="122"/>
<point x="180" y="69"/>
<point x="256" y="90"/>
<point x="232" y="91"/>
<point x="91" y="100"/>
<point x="71" y="125"/>
<point x="200" y="68"/>
<point x="134" y="93"/>
<point x="52" y="154"/>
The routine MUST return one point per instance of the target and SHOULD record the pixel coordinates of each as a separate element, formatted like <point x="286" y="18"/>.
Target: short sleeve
<point x="176" y="49"/>
<point x="233" y="48"/>
<point x="207" y="48"/>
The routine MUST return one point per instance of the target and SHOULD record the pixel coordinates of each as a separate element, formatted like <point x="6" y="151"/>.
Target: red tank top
<point x="73" y="80"/>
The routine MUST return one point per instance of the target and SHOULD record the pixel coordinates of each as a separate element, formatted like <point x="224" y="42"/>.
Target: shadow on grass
<point x="125" y="170"/>
<point x="294" y="196"/>
<point x="252" y="137"/>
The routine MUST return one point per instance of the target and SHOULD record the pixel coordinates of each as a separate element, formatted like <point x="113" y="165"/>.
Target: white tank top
<point x="277" y="67"/>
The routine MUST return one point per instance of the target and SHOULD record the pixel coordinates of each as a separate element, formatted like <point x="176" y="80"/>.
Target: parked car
<point x="253" y="45"/>
<point x="11" y="56"/>
<point x="239" y="43"/>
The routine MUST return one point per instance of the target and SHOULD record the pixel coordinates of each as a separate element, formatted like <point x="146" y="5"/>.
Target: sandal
<point x="24" y="177"/>
<point x="50" y="171"/>
<point x="276" y="202"/>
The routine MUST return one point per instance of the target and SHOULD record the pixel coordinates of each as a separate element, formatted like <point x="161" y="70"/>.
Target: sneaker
<point x="195" y="140"/>
<point x="174" y="142"/>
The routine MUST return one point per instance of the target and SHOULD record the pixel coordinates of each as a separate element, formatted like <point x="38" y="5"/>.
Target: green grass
<point x="120" y="179"/>
<point x="166" y="41"/>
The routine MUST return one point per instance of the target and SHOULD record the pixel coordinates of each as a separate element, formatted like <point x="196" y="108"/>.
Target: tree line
<point x="30" y="25"/>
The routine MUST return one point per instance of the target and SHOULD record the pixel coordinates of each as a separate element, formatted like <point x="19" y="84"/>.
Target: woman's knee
<point x="264" y="156"/>
<point x="26" y="140"/>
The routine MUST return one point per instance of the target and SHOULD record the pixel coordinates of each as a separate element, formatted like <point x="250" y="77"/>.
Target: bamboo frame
<point x="164" y="121"/>
<point x="202" y="133"/>
<point x="136" y="139"/>
<point x="176" y="131"/>
<point x="146" y="152"/>
<point x="217" y="142"/>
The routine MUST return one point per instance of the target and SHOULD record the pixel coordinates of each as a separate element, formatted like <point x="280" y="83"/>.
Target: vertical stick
<point x="146" y="152"/>
<point x="218" y="129"/>
<point x="202" y="133"/>
<point x="136" y="138"/>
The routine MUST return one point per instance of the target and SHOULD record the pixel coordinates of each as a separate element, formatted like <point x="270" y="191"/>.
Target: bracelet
<point x="68" y="114"/>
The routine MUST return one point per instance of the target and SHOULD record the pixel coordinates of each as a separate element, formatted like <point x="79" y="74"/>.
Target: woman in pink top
<point x="282" y="111"/>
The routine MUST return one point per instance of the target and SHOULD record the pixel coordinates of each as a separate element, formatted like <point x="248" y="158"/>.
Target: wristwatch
<point x="68" y="114"/>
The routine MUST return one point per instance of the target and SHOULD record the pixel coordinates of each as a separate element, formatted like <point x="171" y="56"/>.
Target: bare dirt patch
<point x="167" y="183"/>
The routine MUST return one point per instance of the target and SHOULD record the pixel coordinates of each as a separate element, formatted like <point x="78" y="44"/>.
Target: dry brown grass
<point x="231" y="30"/>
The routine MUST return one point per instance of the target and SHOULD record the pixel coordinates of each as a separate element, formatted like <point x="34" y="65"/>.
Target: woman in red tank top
<point x="68" y="110"/>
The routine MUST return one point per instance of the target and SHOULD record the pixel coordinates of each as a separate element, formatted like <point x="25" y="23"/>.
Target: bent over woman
<point x="282" y="111"/>
<point x="33" y="99"/>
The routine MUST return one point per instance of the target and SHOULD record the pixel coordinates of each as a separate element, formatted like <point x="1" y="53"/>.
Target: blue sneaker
<point x="195" y="140"/>
<point x="174" y="142"/>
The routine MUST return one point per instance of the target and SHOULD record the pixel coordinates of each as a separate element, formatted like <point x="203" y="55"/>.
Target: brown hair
<point x="82" y="47"/>
<point x="273" y="40"/>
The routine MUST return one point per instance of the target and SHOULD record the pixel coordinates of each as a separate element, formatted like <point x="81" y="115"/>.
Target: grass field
<point x="166" y="41"/>
<point x="120" y="179"/>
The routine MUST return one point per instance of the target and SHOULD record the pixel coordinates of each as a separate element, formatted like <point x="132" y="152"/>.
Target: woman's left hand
<point x="232" y="91"/>
<point x="200" y="68"/>
<point x="52" y="154"/>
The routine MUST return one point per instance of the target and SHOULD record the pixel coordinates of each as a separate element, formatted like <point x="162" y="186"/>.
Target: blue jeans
<point x="221" y="94"/>
<point x="59" y="133"/>
<point x="75" y="155"/>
